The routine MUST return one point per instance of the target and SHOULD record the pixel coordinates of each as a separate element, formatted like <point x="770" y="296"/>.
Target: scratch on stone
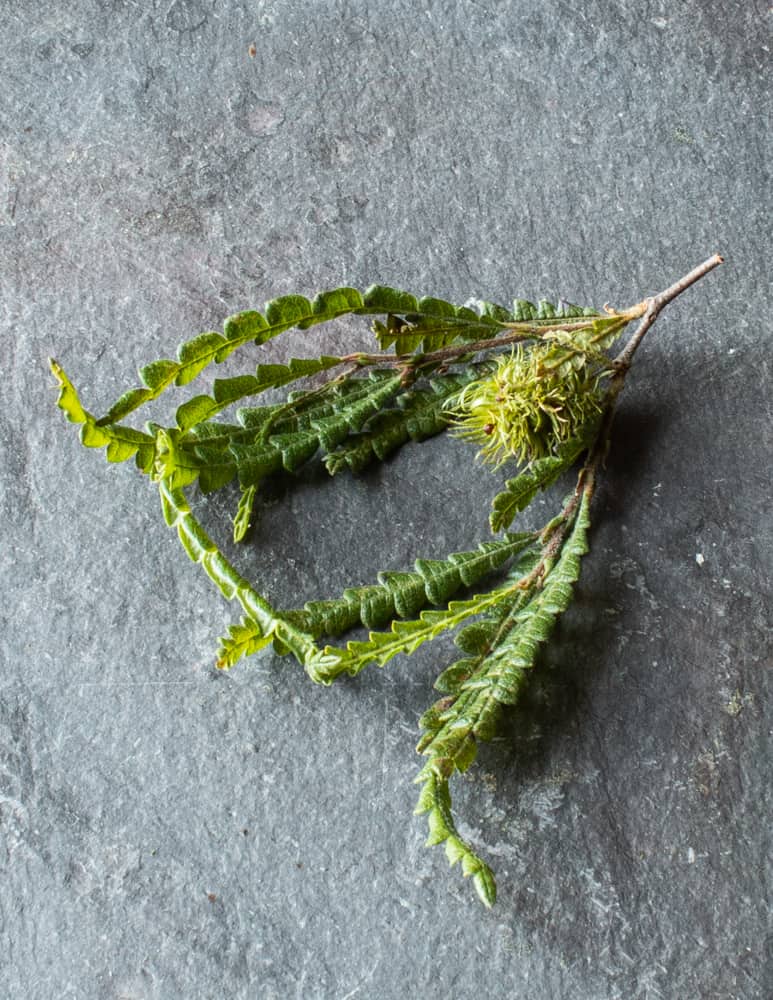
<point x="362" y="982"/>
<point x="105" y="684"/>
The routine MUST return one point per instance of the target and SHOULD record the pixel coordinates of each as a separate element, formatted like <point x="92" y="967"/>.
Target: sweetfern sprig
<point x="532" y="385"/>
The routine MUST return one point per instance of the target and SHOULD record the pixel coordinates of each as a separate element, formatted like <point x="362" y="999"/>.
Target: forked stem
<point x="656" y="303"/>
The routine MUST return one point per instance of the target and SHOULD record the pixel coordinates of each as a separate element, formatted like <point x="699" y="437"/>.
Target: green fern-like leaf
<point x="435" y="801"/>
<point x="434" y="323"/>
<point x="247" y="327"/>
<point x="283" y="314"/>
<point x="120" y="443"/>
<point x="268" y="439"/>
<point x="503" y="650"/>
<point x="520" y="491"/>
<point x="406" y="636"/>
<point x="243" y="639"/>
<point x="405" y="594"/>
<point x="263" y="620"/>
<point x="290" y="450"/>
<point x="226" y="391"/>
<point x="421" y="415"/>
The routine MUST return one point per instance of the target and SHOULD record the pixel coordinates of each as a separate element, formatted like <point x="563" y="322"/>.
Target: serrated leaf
<point x="196" y="354"/>
<point x="429" y="321"/>
<point x="242" y="640"/>
<point x="545" y="309"/>
<point x="437" y="324"/>
<point x="520" y="491"/>
<point x="122" y="442"/>
<point x="336" y="302"/>
<point x="263" y="621"/>
<point x="274" y="376"/>
<point x="420" y="415"/>
<point x="496" y="313"/>
<point x="255" y="462"/>
<point x="125" y="405"/>
<point x="523" y="310"/>
<point x="441" y="578"/>
<point x="503" y="650"/>
<point x="404" y="594"/>
<point x="406" y="636"/>
<point x="295" y="449"/>
<point x="68" y="400"/>
<point x="253" y="418"/>
<point x="435" y="802"/>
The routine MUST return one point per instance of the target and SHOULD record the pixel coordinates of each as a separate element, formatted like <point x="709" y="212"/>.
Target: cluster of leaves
<point x="534" y="371"/>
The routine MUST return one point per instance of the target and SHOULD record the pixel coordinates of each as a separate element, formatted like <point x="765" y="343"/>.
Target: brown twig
<point x="655" y="304"/>
<point x="648" y="310"/>
<point x="522" y="331"/>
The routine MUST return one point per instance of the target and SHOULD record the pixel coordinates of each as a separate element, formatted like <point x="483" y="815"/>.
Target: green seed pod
<point x="526" y="409"/>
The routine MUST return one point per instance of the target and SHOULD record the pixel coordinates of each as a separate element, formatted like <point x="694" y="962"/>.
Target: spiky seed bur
<point x="526" y="409"/>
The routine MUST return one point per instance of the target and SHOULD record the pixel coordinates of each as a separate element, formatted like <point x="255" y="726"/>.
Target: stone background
<point x="167" y="832"/>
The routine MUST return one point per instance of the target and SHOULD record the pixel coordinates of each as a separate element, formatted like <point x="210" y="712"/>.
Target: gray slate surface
<point x="167" y="832"/>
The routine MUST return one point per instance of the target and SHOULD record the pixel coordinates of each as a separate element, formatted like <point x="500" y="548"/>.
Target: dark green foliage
<point x="359" y="409"/>
<point x="363" y="411"/>
<point x="501" y="651"/>
<point x="519" y="492"/>
<point x="421" y="415"/>
<point x="403" y="595"/>
<point x="430" y="323"/>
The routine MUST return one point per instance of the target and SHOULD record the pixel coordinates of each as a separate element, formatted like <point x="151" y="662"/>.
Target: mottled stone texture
<point x="167" y="832"/>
